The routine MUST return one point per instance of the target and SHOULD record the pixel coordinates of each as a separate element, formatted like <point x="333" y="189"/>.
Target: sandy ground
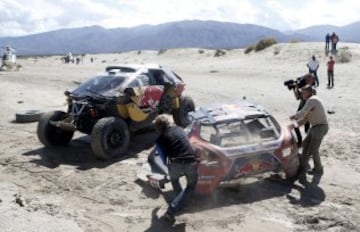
<point x="69" y="190"/>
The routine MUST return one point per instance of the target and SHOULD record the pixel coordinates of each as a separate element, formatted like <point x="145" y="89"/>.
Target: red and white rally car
<point x="234" y="141"/>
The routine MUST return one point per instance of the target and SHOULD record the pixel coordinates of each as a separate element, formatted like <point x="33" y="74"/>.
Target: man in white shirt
<point x="314" y="113"/>
<point x="313" y="66"/>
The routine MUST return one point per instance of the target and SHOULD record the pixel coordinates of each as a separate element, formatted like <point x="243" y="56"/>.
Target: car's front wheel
<point x="110" y="138"/>
<point x="51" y="135"/>
<point x="180" y="115"/>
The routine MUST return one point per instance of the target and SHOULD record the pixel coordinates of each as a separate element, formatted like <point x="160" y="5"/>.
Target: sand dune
<point x="68" y="190"/>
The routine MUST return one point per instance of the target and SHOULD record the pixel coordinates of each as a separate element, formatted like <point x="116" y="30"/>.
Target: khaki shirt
<point x="312" y="112"/>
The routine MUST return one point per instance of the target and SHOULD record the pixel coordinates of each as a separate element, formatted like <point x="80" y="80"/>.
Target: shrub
<point x="249" y="49"/>
<point x="264" y="43"/>
<point x="276" y="50"/>
<point x="161" y="51"/>
<point x="219" y="53"/>
<point x="343" y="55"/>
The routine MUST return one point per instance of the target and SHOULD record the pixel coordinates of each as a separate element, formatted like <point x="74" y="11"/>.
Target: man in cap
<point x="182" y="161"/>
<point x="314" y="113"/>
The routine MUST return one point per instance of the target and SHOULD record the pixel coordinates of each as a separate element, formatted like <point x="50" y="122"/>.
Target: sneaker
<point x="302" y="179"/>
<point x="315" y="172"/>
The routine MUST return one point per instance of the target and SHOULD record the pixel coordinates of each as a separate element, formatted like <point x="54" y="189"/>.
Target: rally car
<point x="114" y="105"/>
<point x="233" y="141"/>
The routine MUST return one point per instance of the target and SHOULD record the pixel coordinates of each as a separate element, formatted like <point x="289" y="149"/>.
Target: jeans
<point x="177" y="170"/>
<point x="316" y="79"/>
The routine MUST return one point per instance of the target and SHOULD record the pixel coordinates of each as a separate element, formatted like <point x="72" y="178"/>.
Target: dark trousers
<point x="311" y="146"/>
<point x="178" y="169"/>
<point x="330" y="78"/>
<point x="307" y="124"/>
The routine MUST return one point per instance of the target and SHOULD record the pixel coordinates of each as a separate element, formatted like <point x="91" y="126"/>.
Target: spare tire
<point x="28" y="116"/>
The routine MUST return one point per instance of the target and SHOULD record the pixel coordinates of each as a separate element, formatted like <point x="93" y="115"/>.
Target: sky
<point x="25" y="17"/>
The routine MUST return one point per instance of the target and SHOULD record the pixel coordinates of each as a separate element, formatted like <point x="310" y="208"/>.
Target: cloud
<point x="22" y="17"/>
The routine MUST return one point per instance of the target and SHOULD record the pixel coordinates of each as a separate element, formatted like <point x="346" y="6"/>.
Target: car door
<point x="149" y="93"/>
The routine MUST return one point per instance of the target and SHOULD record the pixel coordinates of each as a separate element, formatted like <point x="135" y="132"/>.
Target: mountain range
<point x="181" y="34"/>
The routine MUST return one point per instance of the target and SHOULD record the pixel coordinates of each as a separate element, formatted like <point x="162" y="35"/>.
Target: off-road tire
<point x="110" y="138"/>
<point x="292" y="166"/>
<point x="28" y="116"/>
<point x="180" y="115"/>
<point x="50" y="135"/>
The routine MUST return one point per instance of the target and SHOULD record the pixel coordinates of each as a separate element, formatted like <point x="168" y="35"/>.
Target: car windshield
<point x="107" y="85"/>
<point x="241" y="132"/>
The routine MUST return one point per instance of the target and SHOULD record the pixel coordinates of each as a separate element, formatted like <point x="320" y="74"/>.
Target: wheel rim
<point x="187" y="109"/>
<point x="115" y="138"/>
<point x="166" y="104"/>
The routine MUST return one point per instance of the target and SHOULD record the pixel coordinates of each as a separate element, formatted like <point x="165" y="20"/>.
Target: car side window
<point x="159" y="76"/>
<point x="208" y="132"/>
<point x="134" y="83"/>
<point x="144" y="80"/>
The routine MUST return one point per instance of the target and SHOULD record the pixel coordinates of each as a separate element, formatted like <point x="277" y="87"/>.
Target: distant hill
<point x="348" y="33"/>
<point x="182" y="34"/>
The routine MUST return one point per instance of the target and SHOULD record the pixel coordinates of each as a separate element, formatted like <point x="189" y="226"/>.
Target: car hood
<point x="103" y="85"/>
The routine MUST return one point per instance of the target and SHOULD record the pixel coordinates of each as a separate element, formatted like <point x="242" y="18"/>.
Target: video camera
<point x="299" y="82"/>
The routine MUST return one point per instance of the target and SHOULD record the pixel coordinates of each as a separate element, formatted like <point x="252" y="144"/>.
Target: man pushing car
<point x="314" y="113"/>
<point x="181" y="159"/>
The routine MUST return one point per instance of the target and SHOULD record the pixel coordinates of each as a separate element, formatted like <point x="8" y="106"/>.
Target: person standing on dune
<point x="330" y="72"/>
<point x="313" y="66"/>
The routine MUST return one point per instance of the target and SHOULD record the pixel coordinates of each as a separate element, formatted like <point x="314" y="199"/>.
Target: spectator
<point x="314" y="113"/>
<point x="334" y="41"/>
<point x="330" y="72"/>
<point x="182" y="161"/>
<point x="313" y="66"/>
<point x="327" y="42"/>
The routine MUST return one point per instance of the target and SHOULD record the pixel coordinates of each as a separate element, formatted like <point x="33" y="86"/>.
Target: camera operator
<point x="308" y="79"/>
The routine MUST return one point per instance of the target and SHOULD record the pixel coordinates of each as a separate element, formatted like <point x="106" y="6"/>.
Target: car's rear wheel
<point x="110" y="138"/>
<point x="180" y="115"/>
<point x="292" y="166"/>
<point x="50" y="135"/>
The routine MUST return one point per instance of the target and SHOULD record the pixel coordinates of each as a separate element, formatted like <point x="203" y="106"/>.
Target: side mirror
<point x="67" y="93"/>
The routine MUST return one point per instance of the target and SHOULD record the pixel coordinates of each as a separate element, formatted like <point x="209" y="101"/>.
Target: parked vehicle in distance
<point x="114" y="105"/>
<point x="233" y="141"/>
